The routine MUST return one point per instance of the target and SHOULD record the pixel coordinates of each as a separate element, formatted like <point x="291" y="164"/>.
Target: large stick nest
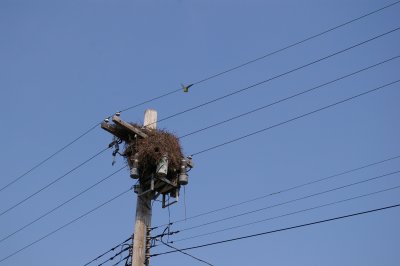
<point x="159" y="143"/>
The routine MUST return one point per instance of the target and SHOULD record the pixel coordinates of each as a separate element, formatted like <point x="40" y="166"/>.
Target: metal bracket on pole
<point x="150" y="189"/>
<point x="164" y="205"/>
<point x="156" y="195"/>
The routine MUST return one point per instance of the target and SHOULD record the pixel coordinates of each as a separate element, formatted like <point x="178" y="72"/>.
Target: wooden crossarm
<point x="107" y="127"/>
<point x="128" y="127"/>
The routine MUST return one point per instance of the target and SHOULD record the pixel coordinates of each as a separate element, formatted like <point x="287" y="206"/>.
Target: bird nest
<point x="151" y="150"/>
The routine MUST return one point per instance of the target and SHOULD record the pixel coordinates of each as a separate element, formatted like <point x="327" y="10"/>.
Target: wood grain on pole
<point x="150" y="119"/>
<point x="143" y="207"/>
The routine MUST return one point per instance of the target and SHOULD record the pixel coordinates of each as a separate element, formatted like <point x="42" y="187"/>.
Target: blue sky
<point x="65" y="65"/>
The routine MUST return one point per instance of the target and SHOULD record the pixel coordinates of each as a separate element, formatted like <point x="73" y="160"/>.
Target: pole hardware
<point x="166" y="203"/>
<point x="183" y="176"/>
<point x="136" y="188"/>
<point x="134" y="172"/>
<point x="162" y="167"/>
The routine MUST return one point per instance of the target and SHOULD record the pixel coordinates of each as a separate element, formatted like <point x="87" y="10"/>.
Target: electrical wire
<point x="116" y="255"/>
<point x="289" y="214"/>
<point x="282" y="229"/>
<point x="195" y="83"/>
<point x="277" y="76"/>
<point x="61" y="205"/>
<point x="108" y="251"/>
<point x="295" y="118"/>
<point x="291" y="201"/>
<point x="231" y="141"/>
<point x="65" y="225"/>
<point x="49" y="157"/>
<point x="126" y="110"/>
<point x="268" y="54"/>
<point x="283" y="190"/>
<point x="151" y="100"/>
<point x="121" y="260"/>
<point x="294" y="44"/>
<point x="185" y="253"/>
<point x="289" y="97"/>
<point x="53" y="182"/>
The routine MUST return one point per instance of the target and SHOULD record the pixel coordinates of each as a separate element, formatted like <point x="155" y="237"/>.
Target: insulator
<point x="134" y="173"/>
<point x="190" y="163"/>
<point x="162" y="167"/>
<point x="183" y="178"/>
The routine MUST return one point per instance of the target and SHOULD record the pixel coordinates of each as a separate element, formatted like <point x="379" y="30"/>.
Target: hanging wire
<point x="61" y="205"/>
<point x="315" y="181"/>
<point x="289" y="97"/>
<point x="185" y="253"/>
<point x="279" y="75"/>
<point x="295" y="118"/>
<point x="288" y="214"/>
<point x="65" y="225"/>
<point x="293" y="200"/>
<point x="54" y="181"/>
<point x="108" y="251"/>
<point x="283" y="229"/>
<point x="90" y="129"/>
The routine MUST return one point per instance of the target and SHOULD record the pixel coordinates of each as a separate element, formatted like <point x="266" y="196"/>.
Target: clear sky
<point x="65" y="65"/>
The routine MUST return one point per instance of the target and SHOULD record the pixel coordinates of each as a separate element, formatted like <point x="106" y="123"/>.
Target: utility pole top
<point x="155" y="158"/>
<point x="150" y="119"/>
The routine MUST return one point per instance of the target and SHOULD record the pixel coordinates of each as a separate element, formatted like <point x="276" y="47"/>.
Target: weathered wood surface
<point x="143" y="208"/>
<point x="111" y="129"/>
<point x="133" y="130"/>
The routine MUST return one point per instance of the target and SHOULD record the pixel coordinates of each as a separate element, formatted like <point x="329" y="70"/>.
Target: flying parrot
<point x="186" y="88"/>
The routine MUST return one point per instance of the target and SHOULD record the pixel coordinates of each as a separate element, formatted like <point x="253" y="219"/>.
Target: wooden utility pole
<point x="143" y="208"/>
<point x="164" y="182"/>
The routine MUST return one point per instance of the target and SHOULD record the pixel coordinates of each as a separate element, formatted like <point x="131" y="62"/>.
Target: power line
<point x="295" y="118"/>
<point x="282" y="229"/>
<point x="294" y="44"/>
<point x="283" y="190"/>
<point x="195" y="83"/>
<point x="49" y="157"/>
<point x="269" y="54"/>
<point x="197" y="153"/>
<point x="291" y="201"/>
<point x="54" y="181"/>
<point x="331" y="105"/>
<point x="116" y="255"/>
<point x="185" y="253"/>
<point x="289" y="97"/>
<point x="61" y="205"/>
<point x="108" y="251"/>
<point x="288" y="214"/>
<point x="279" y="75"/>
<point x="150" y="100"/>
<point x="65" y="225"/>
<point x="121" y="260"/>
